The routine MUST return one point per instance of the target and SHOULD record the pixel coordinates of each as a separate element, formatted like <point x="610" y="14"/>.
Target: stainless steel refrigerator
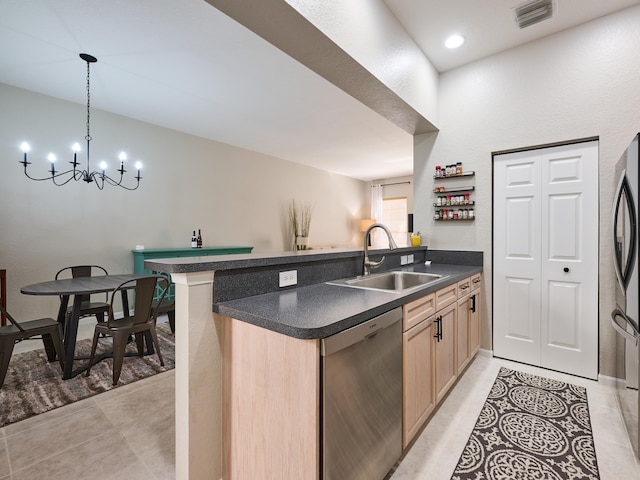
<point x="626" y="315"/>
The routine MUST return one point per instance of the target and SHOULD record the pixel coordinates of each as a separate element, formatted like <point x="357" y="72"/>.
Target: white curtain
<point x="376" y="214"/>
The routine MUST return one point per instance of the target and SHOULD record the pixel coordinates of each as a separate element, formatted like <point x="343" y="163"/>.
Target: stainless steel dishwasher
<point x="362" y="399"/>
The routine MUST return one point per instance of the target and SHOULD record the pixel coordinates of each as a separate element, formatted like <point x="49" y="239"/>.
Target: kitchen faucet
<point x="368" y="264"/>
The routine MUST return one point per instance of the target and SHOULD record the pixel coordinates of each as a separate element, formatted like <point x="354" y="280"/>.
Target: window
<point x="394" y="216"/>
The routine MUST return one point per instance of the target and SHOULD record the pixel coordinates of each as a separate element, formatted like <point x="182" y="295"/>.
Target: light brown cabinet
<point x="445" y="350"/>
<point x="441" y="334"/>
<point x="417" y="378"/>
<point x="474" y="315"/>
<point x="463" y="334"/>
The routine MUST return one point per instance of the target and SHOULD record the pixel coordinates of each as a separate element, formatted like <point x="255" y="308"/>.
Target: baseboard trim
<point x="485" y="353"/>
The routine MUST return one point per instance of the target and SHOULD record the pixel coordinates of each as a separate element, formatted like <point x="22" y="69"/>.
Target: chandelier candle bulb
<point x="76" y="149"/>
<point x="25" y="148"/>
<point x="52" y="159"/>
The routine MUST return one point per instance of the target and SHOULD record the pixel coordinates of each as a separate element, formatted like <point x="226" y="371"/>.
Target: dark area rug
<point x="530" y="427"/>
<point x="33" y="385"/>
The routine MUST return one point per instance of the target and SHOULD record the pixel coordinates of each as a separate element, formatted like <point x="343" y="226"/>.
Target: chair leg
<point x="140" y="343"/>
<point x="6" y="349"/>
<point x="154" y="336"/>
<point x="48" y="347"/>
<point x="172" y="320"/>
<point x="58" y="346"/>
<point x="119" y="346"/>
<point x="94" y="345"/>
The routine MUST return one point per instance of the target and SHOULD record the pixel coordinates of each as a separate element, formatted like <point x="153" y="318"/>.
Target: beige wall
<point x="579" y="83"/>
<point x="235" y="196"/>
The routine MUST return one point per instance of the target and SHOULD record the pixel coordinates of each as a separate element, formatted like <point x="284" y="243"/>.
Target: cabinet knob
<point x="566" y="269"/>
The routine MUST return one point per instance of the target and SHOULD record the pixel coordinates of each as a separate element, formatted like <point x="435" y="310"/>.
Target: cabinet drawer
<point x="415" y="312"/>
<point x="446" y="296"/>
<point x="476" y="281"/>
<point x="464" y="287"/>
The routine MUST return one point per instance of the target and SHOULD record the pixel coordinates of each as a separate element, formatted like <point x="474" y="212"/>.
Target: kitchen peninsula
<point x="240" y="295"/>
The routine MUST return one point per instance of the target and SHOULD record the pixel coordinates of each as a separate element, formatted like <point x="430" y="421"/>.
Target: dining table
<point x="76" y="287"/>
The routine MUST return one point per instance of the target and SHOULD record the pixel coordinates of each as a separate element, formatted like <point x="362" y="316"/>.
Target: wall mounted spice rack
<point x="454" y="208"/>
<point x="458" y="175"/>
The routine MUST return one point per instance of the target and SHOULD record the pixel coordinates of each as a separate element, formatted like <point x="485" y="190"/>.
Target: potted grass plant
<point x="300" y="222"/>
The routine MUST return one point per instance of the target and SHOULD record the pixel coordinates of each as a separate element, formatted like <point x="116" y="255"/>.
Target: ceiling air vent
<point x="532" y="12"/>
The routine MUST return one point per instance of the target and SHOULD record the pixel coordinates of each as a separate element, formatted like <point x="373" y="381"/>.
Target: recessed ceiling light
<point x="454" y="41"/>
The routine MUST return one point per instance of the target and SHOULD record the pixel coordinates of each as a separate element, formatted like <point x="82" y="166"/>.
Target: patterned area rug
<point x="530" y="427"/>
<point x="33" y="385"/>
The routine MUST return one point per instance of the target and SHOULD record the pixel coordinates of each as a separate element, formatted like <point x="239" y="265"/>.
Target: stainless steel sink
<point x="390" y="281"/>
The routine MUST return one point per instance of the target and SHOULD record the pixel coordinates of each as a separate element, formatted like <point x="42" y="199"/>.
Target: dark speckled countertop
<point x="321" y="310"/>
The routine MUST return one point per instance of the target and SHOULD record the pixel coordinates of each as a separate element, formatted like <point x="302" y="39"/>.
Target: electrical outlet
<point x="403" y="260"/>
<point x="288" y="278"/>
<point x="410" y="258"/>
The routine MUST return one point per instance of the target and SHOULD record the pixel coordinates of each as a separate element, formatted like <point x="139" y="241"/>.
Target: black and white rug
<point x="530" y="428"/>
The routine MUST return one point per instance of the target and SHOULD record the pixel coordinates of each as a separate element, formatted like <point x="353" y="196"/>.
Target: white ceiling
<point x="184" y="65"/>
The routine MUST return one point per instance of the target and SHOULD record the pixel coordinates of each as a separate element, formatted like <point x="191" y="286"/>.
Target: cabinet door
<point x="417" y="375"/>
<point x="445" y="350"/>
<point x="474" y="323"/>
<point x="463" y="334"/>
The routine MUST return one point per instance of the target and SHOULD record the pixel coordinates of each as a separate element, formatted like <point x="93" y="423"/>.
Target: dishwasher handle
<point x="363" y="331"/>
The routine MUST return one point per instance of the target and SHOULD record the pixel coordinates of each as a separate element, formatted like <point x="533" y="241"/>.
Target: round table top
<point x="80" y="285"/>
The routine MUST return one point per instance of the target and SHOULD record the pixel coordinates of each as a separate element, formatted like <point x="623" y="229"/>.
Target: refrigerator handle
<point x="617" y="313"/>
<point x="623" y="272"/>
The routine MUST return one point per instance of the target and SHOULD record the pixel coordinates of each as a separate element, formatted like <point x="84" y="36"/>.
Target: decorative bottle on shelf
<point x="199" y="240"/>
<point x="194" y="240"/>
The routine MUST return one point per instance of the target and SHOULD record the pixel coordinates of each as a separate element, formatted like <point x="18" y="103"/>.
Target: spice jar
<point x="465" y="214"/>
<point x="459" y="168"/>
<point x="471" y="214"/>
<point x="451" y="214"/>
<point x="466" y="199"/>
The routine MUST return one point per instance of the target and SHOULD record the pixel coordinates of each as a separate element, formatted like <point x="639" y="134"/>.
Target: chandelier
<point x="99" y="177"/>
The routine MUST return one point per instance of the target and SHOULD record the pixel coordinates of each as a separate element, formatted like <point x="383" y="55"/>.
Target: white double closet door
<point x="545" y="258"/>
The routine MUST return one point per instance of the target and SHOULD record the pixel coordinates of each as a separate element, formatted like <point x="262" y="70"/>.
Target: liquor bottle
<point x="194" y="240"/>
<point x="199" y="240"/>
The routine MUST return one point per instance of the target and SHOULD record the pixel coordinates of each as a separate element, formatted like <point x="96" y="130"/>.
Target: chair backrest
<point x="13" y="321"/>
<point x="145" y="291"/>
<point x="77" y="271"/>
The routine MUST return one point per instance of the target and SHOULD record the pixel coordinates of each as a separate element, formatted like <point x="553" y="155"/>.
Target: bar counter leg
<point x="198" y="379"/>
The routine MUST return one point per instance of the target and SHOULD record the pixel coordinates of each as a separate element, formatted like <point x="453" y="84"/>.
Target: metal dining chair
<point x="88" y="308"/>
<point x="167" y="306"/>
<point x="143" y="320"/>
<point x="48" y="328"/>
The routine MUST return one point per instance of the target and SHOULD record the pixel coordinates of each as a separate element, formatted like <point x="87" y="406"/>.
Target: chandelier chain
<point x="88" y="137"/>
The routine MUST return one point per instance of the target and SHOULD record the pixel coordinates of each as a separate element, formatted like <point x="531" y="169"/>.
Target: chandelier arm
<point x="60" y="174"/>
<point x="111" y="181"/>
<point x="50" y="177"/>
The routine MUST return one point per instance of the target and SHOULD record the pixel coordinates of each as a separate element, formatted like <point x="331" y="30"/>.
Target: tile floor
<point x="129" y="433"/>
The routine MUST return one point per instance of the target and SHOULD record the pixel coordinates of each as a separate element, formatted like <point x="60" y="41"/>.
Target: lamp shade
<point x="366" y="223"/>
